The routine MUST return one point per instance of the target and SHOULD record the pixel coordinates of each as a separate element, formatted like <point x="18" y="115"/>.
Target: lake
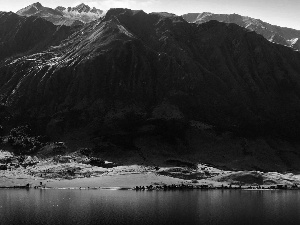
<point x="149" y="207"/>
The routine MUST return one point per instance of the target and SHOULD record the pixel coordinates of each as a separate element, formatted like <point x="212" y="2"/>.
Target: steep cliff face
<point x="276" y="34"/>
<point x="130" y="77"/>
<point x="25" y="35"/>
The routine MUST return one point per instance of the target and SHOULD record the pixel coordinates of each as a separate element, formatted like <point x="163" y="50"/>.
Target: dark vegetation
<point x="176" y="162"/>
<point x="21" y="138"/>
<point x="23" y="141"/>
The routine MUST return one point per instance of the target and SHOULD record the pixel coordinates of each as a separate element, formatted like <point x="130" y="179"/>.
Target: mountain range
<point x="155" y="82"/>
<point x="82" y="14"/>
<point x="63" y="16"/>
<point x="280" y="35"/>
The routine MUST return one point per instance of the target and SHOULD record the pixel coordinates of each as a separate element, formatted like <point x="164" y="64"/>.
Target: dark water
<point x="156" y="207"/>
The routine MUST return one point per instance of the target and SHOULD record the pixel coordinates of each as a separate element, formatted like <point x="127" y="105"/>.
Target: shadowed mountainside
<point x="27" y="35"/>
<point x="280" y="35"/>
<point x="133" y="79"/>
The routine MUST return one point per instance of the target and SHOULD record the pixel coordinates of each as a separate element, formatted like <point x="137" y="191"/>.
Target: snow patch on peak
<point x="203" y="15"/>
<point x="293" y="41"/>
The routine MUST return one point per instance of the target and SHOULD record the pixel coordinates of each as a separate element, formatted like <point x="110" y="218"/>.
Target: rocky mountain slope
<point x="156" y="84"/>
<point x="276" y="34"/>
<point x="26" y="35"/>
<point x="63" y="16"/>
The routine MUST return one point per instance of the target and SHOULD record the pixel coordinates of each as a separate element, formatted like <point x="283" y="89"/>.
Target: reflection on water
<point x="149" y="207"/>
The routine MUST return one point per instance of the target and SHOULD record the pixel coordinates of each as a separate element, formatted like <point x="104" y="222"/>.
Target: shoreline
<point x="76" y="170"/>
<point x="188" y="188"/>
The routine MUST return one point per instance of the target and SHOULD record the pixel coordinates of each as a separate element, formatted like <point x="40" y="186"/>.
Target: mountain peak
<point x="31" y="9"/>
<point x="118" y="11"/>
<point x="82" y="8"/>
<point x="82" y="5"/>
<point x="95" y="10"/>
<point x="60" y="8"/>
<point x="37" y="4"/>
<point x="81" y="13"/>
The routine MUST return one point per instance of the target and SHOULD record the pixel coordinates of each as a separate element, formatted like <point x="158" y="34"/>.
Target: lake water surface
<point x="149" y="207"/>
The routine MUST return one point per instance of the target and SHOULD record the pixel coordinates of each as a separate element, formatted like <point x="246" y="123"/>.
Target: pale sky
<point x="277" y="12"/>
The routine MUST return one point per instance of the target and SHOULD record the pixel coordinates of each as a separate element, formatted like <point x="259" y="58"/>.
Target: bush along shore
<point x="211" y="187"/>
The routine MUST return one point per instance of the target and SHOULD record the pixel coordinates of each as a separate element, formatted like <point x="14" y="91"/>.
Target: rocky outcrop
<point x="276" y="34"/>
